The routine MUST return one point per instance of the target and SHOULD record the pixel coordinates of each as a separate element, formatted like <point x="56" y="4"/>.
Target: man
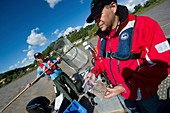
<point x="134" y="53"/>
<point x="55" y="73"/>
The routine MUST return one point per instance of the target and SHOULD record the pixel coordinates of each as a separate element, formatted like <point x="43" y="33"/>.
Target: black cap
<point x="96" y="7"/>
<point x="37" y="55"/>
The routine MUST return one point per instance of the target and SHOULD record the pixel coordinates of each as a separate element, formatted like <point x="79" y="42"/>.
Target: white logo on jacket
<point x="124" y="36"/>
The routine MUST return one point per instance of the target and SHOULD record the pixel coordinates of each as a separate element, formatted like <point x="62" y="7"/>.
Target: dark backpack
<point x="38" y="105"/>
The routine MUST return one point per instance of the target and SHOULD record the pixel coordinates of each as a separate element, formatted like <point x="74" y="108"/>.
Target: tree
<point x="137" y="7"/>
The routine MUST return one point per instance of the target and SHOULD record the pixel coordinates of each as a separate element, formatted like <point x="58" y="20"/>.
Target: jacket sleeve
<point x="155" y="59"/>
<point x="54" y="60"/>
<point x="156" y="44"/>
<point x="99" y="67"/>
<point x="39" y="72"/>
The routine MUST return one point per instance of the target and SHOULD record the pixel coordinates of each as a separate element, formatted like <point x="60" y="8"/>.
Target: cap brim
<point x="90" y="19"/>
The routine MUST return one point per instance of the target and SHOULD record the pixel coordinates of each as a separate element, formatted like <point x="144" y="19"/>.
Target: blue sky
<point x="28" y="26"/>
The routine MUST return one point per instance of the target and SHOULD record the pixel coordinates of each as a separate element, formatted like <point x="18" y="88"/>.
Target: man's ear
<point x="113" y="7"/>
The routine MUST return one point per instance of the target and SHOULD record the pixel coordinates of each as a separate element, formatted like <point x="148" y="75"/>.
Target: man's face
<point x="105" y="20"/>
<point x="40" y="58"/>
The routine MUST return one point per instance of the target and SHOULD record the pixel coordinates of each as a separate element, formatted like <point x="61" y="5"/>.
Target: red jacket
<point x="145" y="73"/>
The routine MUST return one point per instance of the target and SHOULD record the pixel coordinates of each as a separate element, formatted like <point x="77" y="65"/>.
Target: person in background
<point x="56" y="74"/>
<point x="133" y="51"/>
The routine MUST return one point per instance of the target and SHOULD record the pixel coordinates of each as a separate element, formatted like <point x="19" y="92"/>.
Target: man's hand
<point x="90" y="78"/>
<point x="112" y="92"/>
<point x="58" y="59"/>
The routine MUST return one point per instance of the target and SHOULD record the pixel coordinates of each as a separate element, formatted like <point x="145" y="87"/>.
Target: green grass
<point x="143" y="10"/>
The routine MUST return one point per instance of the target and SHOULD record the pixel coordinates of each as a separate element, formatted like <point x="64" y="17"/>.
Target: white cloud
<point x="60" y="34"/>
<point x="86" y="24"/>
<point x="30" y="54"/>
<point x="36" y="39"/>
<point x="52" y="3"/>
<point x="25" y="50"/>
<point x="70" y="29"/>
<point x="11" y="67"/>
<point x="132" y="3"/>
<point x="24" y="60"/>
<point x="19" y="64"/>
<point x="15" y="65"/>
<point x="77" y="28"/>
<point x="29" y="48"/>
<point x="56" y="32"/>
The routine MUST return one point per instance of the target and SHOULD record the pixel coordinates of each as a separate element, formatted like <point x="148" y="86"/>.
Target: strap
<point x="132" y="55"/>
<point x="42" y="66"/>
<point x="50" y="63"/>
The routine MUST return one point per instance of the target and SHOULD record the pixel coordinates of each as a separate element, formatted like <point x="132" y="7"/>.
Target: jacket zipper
<point x="118" y="66"/>
<point x="111" y="63"/>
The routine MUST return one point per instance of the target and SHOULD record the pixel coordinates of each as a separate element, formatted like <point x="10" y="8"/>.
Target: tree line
<point x="139" y="8"/>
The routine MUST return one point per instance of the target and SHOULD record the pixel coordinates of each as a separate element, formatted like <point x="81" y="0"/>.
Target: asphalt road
<point x="161" y="14"/>
<point x="45" y="87"/>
